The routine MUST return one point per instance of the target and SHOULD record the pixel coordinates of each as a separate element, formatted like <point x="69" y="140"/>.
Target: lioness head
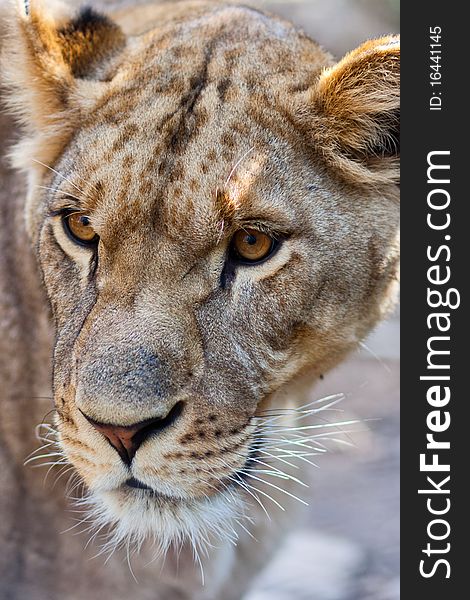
<point x="214" y="207"/>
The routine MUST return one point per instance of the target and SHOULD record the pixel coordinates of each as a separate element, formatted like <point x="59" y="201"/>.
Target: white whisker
<point x="376" y="356"/>
<point x="236" y="165"/>
<point x="247" y="486"/>
<point x="59" y="174"/>
<point x="30" y="460"/>
<point x="45" y="187"/>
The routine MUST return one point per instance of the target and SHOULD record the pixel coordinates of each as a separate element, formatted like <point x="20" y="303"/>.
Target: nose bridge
<point x="133" y="364"/>
<point x="143" y="263"/>
<point x="123" y="384"/>
<point x="167" y="307"/>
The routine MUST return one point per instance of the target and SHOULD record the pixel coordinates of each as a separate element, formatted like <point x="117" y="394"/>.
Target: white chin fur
<point x="134" y="517"/>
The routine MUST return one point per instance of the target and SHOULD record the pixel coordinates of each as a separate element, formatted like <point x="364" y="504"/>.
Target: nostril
<point x="155" y="425"/>
<point x="127" y="439"/>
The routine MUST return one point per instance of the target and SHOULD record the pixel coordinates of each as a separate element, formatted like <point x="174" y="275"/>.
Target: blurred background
<point x="338" y="25"/>
<point x="348" y="545"/>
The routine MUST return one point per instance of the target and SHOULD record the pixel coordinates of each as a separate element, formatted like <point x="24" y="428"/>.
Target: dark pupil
<point x="85" y="221"/>
<point x="251" y="239"/>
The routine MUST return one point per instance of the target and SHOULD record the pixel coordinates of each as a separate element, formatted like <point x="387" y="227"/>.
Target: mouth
<point x="145" y="506"/>
<point x="135" y="489"/>
<point x="227" y="483"/>
<point x="135" y="483"/>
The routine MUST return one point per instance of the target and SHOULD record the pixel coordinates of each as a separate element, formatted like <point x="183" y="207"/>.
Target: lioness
<point x="209" y="210"/>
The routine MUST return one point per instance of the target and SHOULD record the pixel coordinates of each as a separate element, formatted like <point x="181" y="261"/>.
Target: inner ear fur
<point x="53" y="66"/>
<point x="355" y="113"/>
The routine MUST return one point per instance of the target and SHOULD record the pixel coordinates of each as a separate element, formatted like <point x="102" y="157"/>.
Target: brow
<point x="64" y="202"/>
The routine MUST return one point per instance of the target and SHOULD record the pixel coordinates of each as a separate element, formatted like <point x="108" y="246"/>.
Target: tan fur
<point x="356" y="106"/>
<point x="173" y="127"/>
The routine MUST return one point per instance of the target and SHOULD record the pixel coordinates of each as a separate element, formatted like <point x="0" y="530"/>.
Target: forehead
<point x="193" y="125"/>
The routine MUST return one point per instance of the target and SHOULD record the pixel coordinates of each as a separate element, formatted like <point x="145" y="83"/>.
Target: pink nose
<point x="127" y="439"/>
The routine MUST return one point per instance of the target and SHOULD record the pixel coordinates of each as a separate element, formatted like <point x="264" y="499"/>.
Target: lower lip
<point x="135" y="483"/>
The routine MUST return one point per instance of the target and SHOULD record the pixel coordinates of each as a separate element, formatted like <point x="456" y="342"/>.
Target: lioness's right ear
<point x="53" y="64"/>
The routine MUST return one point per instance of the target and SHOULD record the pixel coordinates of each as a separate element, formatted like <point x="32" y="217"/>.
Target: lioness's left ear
<point x="355" y="112"/>
<point x="54" y="64"/>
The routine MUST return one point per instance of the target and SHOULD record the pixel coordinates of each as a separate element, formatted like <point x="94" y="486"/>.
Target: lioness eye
<point x="252" y="246"/>
<point x="77" y="226"/>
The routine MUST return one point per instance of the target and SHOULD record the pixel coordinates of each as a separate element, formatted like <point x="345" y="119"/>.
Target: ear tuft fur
<point x="354" y="113"/>
<point x="51" y="65"/>
<point x="88" y="40"/>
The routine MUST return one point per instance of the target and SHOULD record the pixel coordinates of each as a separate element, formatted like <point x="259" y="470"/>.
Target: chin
<point x="133" y="516"/>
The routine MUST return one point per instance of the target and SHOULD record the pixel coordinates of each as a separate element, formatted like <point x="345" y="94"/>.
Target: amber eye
<point x="252" y="246"/>
<point x="77" y="225"/>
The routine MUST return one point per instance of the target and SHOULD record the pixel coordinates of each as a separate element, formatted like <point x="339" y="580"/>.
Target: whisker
<point x="302" y="457"/>
<point x="197" y="557"/>
<point x="241" y="483"/>
<point x="276" y="471"/>
<point x="60" y="175"/>
<point x="318" y="426"/>
<point x="246" y="530"/>
<point x="43" y="447"/>
<point x="258" y="491"/>
<point x="335" y="398"/>
<point x="237" y="164"/>
<point x="279" y="489"/>
<point x="129" y="562"/>
<point x="60" y="475"/>
<point x="376" y="356"/>
<point x="49" y="455"/>
<point x="45" y="187"/>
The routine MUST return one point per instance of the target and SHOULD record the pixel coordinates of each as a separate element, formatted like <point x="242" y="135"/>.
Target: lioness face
<point x="207" y="233"/>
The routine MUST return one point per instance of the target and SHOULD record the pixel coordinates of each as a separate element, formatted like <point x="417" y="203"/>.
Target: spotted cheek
<point x="93" y="458"/>
<point x="63" y="275"/>
<point x="201" y="462"/>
